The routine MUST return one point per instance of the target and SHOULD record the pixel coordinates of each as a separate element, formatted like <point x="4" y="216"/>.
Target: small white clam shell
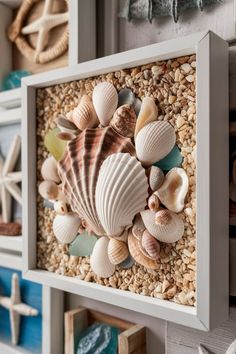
<point x="156" y="178"/>
<point x="49" y="170"/>
<point x="173" y="191"/>
<point x="105" y="100"/>
<point x="99" y="259"/>
<point x="48" y="190"/>
<point x="65" y="227"/>
<point x="148" y="113"/>
<point x="154" y="141"/>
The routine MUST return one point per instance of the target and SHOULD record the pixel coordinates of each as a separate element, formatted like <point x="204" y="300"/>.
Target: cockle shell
<point x="124" y="120"/>
<point x="164" y="225"/>
<point x="60" y="207"/>
<point x="66" y="126"/>
<point x="105" y="100"/>
<point x="153" y="202"/>
<point x="80" y="167"/>
<point x="148" y="113"/>
<point x="84" y="115"/>
<point x="138" y="227"/>
<point x="48" y="190"/>
<point x="49" y="170"/>
<point x="156" y="178"/>
<point x="138" y="255"/>
<point x="121" y="192"/>
<point x="99" y="259"/>
<point x="174" y="189"/>
<point x="154" y="142"/>
<point x="150" y="245"/>
<point x="65" y="227"/>
<point x="117" y="251"/>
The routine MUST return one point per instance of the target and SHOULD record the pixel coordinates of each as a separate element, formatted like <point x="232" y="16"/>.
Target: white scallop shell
<point x="154" y="141"/>
<point x="148" y="113"/>
<point x="171" y="229"/>
<point x="99" y="260"/>
<point x="156" y="178"/>
<point x="65" y="227"/>
<point x="121" y="192"/>
<point x="105" y="100"/>
<point x="49" y="170"/>
<point x="174" y="189"/>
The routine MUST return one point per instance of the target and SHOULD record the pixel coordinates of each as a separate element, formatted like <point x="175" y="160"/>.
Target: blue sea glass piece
<point x="173" y="159"/>
<point x="98" y="339"/>
<point x="13" y="80"/>
<point x="127" y="263"/>
<point x="83" y="245"/>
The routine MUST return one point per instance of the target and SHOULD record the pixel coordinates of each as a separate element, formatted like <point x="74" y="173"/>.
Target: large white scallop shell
<point x="105" y="100"/>
<point x="121" y="192"/>
<point x="65" y="227"/>
<point x="154" y="141"/>
<point x="174" y="189"/>
<point x="99" y="259"/>
<point x="164" y="225"/>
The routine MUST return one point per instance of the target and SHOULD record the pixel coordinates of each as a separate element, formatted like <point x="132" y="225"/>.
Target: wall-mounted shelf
<point x="13" y="243"/>
<point x="10" y="98"/>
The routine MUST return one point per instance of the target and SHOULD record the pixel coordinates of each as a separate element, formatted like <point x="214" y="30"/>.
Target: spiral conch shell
<point x="124" y="121"/>
<point x="105" y="100"/>
<point x="99" y="260"/>
<point x="84" y="115"/>
<point x="174" y="189"/>
<point x="117" y="251"/>
<point x="148" y="113"/>
<point x="121" y="192"/>
<point x="79" y="169"/>
<point x="154" y="142"/>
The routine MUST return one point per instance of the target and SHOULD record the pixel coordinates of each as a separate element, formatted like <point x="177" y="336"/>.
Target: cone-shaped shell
<point x="156" y="178"/>
<point x="99" y="260"/>
<point x="121" y="192"/>
<point x="49" y="170"/>
<point x="154" y="142"/>
<point x="105" y="100"/>
<point x="117" y="251"/>
<point x="138" y="255"/>
<point x="164" y="225"/>
<point x="80" y="167"/>
<point x="124" y="121"/>
<point x="84" y="115"/>
<point x="138" y="227"/>
<point x="65" y="227"/>
<point x="148" y="113"/>
<point x="174" y="189"/>
<point x="150" y="245"/>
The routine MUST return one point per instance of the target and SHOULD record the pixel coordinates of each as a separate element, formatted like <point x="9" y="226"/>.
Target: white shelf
<point x="10" y="98"/>
<point x="10" y="349"/>
<point x="11" y="261"/>
<point x="10" y="116"/>
<point x="12" y="243"/>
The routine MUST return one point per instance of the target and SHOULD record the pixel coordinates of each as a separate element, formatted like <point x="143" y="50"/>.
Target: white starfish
<point x="16" y="308"/>
<point x="44" y="24"/>
<point x="9" y="179"/>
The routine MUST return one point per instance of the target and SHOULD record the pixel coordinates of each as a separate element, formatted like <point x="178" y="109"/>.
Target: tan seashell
<point x="153" y="202"/>
<point x="138" y="227"/>
<point x="105" y="100"/>
<point x="99" y="259"/>
<point x="49" y="170"/>
<point x="151" y="245"/>
<point x="148" y="113"/>
<point x="124" y="120"/>
<point x="164" y="225"/>
<point x="84" y="115"/>
<point x="80" y="166"/>
<point x="137" y="254"/>
<point x="154" y="142"/>
<point x="156" y="178"/>
<point x="60" y="207"/>
<point x="65" y="227"/>
<point x="48" y="190"/>
<point x="117" y="251"/>
<point x="66" y="136"/>
<point x="173" y="191"/>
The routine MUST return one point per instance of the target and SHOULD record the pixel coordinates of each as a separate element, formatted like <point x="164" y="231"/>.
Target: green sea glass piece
<point x="173" y="159"/>
<point x="55" y="146"/>
<point x="83" y="245"/>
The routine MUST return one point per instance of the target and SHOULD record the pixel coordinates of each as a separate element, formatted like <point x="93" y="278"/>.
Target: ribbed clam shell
<point x="80" y="167"/>
<point x="105" y="100"/>
<point x="148" y="113"/>
<point x="124" y="120"/>
<point x="117" y="251"/>
<point x="49" y="170"/>
<point x="174" y="189"/>
<point x="138" y="255"/>
<point x="99" y="260"/>
<point x="121" y="192"/>
<point x="84" y="115"/>
<point x="154" y="142"/>
<point x="138" y="227"/>
<point x="156" y="178"/>
<point x="151" y="245"/>
<point x="65" y="227"/>
<point x="170" y="230"/>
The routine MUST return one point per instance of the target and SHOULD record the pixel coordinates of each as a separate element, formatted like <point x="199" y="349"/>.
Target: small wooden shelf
<point x="10" y="99"/>
<point x="12" y="243"/>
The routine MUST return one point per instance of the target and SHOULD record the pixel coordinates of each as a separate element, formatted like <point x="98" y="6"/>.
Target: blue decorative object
<point x="98" y="339"/>
<point x="173" y="159"/>
<point x="127" y="263"/>
<point x="13" y="80"/>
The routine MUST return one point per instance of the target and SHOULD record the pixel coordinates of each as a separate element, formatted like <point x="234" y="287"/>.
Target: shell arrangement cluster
<point x="114" y="169"/>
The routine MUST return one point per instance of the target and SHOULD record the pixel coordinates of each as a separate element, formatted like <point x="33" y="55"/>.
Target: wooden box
<point x="132" y="338"/>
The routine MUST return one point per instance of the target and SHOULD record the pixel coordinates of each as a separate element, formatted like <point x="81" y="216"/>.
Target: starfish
<point x="44" y="24"/>
<point x="16" y="308"/>
<point x="9" y="179"/>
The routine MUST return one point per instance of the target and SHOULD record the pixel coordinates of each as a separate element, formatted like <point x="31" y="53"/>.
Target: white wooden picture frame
<point x="212" y="181"/>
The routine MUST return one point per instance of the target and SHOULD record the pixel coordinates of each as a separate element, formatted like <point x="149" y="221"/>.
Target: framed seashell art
<point x="136" y="212"/>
